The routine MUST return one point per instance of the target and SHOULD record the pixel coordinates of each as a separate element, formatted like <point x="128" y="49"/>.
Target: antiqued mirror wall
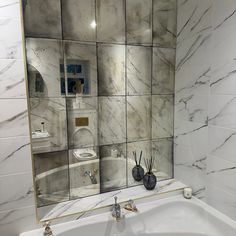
<point x="100" y="86"/>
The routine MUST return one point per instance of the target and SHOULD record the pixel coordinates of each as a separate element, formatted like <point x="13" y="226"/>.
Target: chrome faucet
<point x="130" y="206"/>
<point x="47" y="230"/>
<point x="91" y="176"/>
<point x="116" y="210"/>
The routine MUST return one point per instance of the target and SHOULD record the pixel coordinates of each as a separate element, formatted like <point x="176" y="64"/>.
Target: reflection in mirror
<point x="100" y="87"/>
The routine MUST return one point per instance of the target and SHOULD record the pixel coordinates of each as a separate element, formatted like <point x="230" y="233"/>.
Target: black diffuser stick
<point x="140" y="157"/>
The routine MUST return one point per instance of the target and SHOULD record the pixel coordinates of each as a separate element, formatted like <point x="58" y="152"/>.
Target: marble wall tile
<point x="162" y="151"/>
<point x="162" y="116"/>
<point x="112" y="168"/>
<point x="15" y="155"/>
<point x="221" y="174"/>
<point x="163" y="71"/>
<point x="10" y="38"/>
<point x="222" y="143"/>
<point x="14" y="118"/>
<point x="111" y="120"/>
<point x="19" y="195"/>
<point x="77" y="19"/>
<point x="10" y="8"/>
<point x="138" y="118"/>
<point x="12" y="79"/>
<point x="139" y="70"/>
<point x="111" y="69"/>
<point x="111" y="21"/>
<point x="139" y="21"/>
<point x="164" y="23"/>
<point x="16" y="221"/>
<point x="42" y="18"/>
<point x="222" y="111"/>
<point x="145" y="147"/>
<point x="53" y="113"/>
<point x="84" y="53"/>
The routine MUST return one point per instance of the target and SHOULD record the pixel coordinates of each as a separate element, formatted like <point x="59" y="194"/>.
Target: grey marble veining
<point x="77" y="18"/>
<point x="111" y="69"/>
<point x="162" y="116"/>
<point x="138" y="118"/>
<point x="110" y="20"/>
<point x="12" y="79"/>
<point x="139" y="70"/>
<point x="43" y="18"/>
<point x="139" y="22"/>
<point x="164" y="23"/>
<point x="163" y="71"/>
<point x="162" y="151"/>
<point x="45" y="56"/>
<point x="84" y="53"/>
<point x="9" y="8"/>
<point x="111" y="120"/>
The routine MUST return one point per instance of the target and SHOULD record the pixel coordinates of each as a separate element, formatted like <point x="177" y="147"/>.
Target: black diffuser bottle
<point x="138" y="171"/>
<point x="149" y="179"/>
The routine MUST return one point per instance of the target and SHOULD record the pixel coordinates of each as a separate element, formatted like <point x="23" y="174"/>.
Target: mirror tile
<point x="163" y="71"/>
<point x="138" y="118"/>
<point x="139" y="22"/>
<point x="111" y="69"/>
<point x="78" y="17"/>
<point x="164" y="23"/>
<point x="110" y="21"/>
<point x="45" y="59"/>
<point x="162" y="116"/>
<point x="112" y="125"/>
<point x="139" y="69"/>
<point x="42" y="18"/>
<point x="113" y="166"/>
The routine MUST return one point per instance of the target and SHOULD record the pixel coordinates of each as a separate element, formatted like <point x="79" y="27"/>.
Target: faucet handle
<point x="115" y="200"/>
<point x="47" y="224"/>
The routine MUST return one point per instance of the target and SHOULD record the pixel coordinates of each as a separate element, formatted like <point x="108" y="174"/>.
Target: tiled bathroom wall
<point x="205" y="101"/>
<point x="17" y="210"/>
<point x="128" y="48"/>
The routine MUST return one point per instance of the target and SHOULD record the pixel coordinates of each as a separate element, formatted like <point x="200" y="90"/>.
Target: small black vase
<point x="149" y="181"/>
<point x="138" y="173"/>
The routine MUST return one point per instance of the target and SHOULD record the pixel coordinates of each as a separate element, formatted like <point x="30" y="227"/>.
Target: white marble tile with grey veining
<point x="110" y="21"/>
<point x="15" y="221"/>
<point x="162" y="152"/>
<point x="45" y="56"/>
<point x="191" y="107"/>
<point x="111" y="120"/>
<point x="164" y="23"/>
<point x="10" y="38"/>
<point x="14" y="118"/>
<point x="139" y="70"/>
<point x="17" y="195"/>
<point x="163" y="71"/>
<point x="42" y="18"/>
<point x="111" y="69"/>
<point x="78" y="18"/>
<point x="107" y="199"/>
<point x="51" y="111"/>
<point x="15" y="155"/>
<point x="162" y="116"/>
<point x="222" y="111"/>
<point x="138" y="118"/>
<point x="221" y="174"/>
<point x="84" y="53"/>
<point x="10" y="8"/>
<point x="139" y="22"/>
<point x="222" y="143"/>
<point x="12" y="79"/>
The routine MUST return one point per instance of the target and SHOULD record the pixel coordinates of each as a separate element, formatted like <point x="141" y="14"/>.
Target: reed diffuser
<point x="138" y="171"/>
<point x="149" y="179"/>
